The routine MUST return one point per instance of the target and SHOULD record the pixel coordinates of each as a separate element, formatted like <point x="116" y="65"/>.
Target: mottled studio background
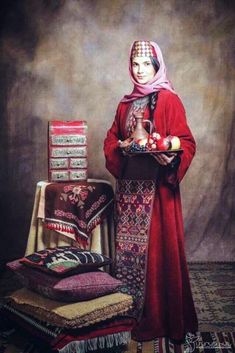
<point x="69" y="60"/>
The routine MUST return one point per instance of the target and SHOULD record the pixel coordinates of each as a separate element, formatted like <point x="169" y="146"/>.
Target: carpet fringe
<point x="108" y="341"/>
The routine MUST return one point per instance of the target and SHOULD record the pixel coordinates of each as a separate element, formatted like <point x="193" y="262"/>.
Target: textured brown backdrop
<point x="68" y="60"/>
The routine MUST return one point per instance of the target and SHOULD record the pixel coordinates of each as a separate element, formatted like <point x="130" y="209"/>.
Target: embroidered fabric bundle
<point x="67" y="150"/>
<point x="77" y="208"/>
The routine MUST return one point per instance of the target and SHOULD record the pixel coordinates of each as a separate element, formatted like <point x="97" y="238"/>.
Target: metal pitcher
<point x="140" y="132"/>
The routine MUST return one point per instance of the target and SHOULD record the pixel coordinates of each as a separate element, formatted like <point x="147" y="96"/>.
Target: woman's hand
<point x="164" y="158"/>
<point x="125" y="144"/>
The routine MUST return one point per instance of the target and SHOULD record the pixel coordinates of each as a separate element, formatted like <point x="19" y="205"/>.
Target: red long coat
<point x="169" y="309"/>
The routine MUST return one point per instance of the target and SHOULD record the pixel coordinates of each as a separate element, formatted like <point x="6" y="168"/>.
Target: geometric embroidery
<point x="142" y="48"/>
<point x="134" y="201"/>
<point x="138" y="104"/>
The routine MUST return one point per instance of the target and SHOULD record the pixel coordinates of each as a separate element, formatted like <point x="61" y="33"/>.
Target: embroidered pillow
<point x="78" y="287"/>
<point x="65" y="260"/>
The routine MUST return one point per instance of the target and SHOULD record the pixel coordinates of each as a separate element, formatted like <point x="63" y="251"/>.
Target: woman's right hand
<point x="164" y="158"/>
<point x="125" y="143"/>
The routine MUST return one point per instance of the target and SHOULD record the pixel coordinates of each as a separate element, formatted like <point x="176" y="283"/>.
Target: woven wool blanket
<point x="109" y="333"/>
<point x="70" y="315"/>
<point x="77" y="208"/>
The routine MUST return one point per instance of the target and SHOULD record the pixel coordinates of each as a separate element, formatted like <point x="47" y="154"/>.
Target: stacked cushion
<point x="65" y="260"/>
<point x="70" y="315"/>
<point x="64" y="288"/>
<point x="105" y="336"/>
<point x="77" y="287"/>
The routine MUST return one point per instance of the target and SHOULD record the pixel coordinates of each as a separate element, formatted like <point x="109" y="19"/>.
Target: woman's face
<point x="143" y="70"/>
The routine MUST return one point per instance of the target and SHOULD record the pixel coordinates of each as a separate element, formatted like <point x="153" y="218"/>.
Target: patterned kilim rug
<point x="213" y="292"/>
<point x="213" y="287"/>
<point x="203" y="342"/>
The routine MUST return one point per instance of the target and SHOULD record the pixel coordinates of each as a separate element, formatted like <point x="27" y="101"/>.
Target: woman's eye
<point x="147" y="64"/>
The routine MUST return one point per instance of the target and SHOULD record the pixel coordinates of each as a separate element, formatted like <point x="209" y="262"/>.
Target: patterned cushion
<point x="78" y="287"/>
<point x="70" y="315"/>
<point x="65" y="260"/>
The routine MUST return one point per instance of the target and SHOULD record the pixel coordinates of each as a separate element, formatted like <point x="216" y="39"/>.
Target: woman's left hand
<point x="164" y="158"/>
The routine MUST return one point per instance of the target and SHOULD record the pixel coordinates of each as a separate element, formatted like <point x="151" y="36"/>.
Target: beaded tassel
<point x="139" y="347"/>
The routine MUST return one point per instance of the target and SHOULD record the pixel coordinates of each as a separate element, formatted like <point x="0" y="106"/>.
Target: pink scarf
<point x="160" y="80"/>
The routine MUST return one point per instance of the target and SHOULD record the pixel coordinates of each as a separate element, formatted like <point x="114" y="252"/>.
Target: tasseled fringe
<point x="156" y="345"/>
<point x="139" y="347"/>
<point x="63" y="228"/>
<point x="93" y="224"/>
<point x="59" y="227"/>
<point x="108" y="341"/>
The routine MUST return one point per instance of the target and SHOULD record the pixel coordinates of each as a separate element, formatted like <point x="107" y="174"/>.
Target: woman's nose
<point x="140" y="69"/>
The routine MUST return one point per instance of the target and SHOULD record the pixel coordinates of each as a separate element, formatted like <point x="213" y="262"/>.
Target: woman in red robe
<point x="168" y="308"/>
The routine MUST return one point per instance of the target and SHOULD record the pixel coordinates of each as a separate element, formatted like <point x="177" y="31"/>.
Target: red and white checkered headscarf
<point x="159" y="81"/>
<point x="142" y="48"/>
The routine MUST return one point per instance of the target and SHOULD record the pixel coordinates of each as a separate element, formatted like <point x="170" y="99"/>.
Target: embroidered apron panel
<point x="134" y="201"/>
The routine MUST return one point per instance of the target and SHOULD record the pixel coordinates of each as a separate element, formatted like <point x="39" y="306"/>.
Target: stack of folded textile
<point x="69" y="302"/>
<point x="67" y="150"/>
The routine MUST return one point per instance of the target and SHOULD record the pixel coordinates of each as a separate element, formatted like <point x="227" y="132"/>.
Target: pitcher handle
<point x="150" y="125"/>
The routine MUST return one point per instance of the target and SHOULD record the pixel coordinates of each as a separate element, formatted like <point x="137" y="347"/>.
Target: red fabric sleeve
<point x="113" y="155"/>
<point x="177" y="126"/>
